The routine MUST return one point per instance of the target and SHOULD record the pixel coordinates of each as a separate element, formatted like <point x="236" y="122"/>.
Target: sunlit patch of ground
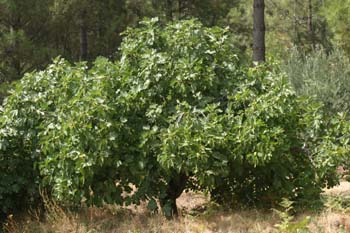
<point x="342" y="189"/>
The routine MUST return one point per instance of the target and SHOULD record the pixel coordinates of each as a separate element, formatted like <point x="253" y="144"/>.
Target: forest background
<point x="33" y="32"/>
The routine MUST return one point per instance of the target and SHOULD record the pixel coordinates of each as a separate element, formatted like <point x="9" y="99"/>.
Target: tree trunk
<point x="259" y="31"/>
<point x="180" y="8"/>
<point x="169" y="10"/>
<point x="83" y="37"/>
<point x="175" y="188"/>
<point x="295" y="33"/>
<point x="310" y="25"/>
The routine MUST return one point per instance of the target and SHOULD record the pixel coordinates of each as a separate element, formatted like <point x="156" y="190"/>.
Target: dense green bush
<point x="177" y="111"/>
<point x="325" y="77"/>
<point x="25" y="114"/>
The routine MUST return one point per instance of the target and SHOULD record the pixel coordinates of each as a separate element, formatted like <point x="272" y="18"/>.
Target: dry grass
<point x="95" y="220"/>
<point x="197" y="216"/>
<point x="330" y="222"/>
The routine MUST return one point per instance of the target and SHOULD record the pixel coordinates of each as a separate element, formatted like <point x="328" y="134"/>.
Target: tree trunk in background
<point x="310" y="24"/>
<point x="83" y="37"/>
<point x="180" y="8"/>
<point x="259" y="31"/>
<point x="295" y="33"/>
<point x="169" y="10"/>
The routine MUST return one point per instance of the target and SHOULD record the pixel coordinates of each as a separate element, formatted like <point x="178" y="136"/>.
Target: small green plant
<point x="337" y="203"/>
<point x="287" y="224"/>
